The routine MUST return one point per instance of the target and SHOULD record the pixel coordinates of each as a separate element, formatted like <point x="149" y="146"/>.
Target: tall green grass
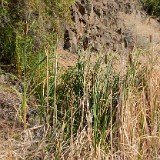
<point x="101" y="113"/>
<point x="96" y="109"/>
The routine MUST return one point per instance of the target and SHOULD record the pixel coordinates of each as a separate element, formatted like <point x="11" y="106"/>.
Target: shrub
<point x="44" y="21"/>
<point x="152" y="7"/>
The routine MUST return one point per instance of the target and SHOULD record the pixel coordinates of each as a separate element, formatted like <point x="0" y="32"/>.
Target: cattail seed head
<point x="106" y="59"/>
<point x="150" y="38"/>
<point x="85" y="43"/>
<point x="130" y="58"/>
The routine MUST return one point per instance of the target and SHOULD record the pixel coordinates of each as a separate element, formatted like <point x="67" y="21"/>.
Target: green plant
<point x="45" y="23"/>
<point x="152" y="7"/>
<point x="32" y="30"/>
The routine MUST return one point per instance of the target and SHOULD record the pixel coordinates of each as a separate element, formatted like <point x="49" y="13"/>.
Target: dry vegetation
<point x="87" y="106"/>
<point x="103" y="111"/>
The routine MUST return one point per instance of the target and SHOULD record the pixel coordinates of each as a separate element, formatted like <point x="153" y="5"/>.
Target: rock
<point x="99" y="21"/>
<point x="128" y="39"/>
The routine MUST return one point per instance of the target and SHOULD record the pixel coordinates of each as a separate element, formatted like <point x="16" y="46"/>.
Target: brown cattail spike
<point x="85" y="43"/>
<point x="106" y="59"/>
<point x="130" y="58"/>
<point x="150" y="38"/>
<point x="26" y="28"/>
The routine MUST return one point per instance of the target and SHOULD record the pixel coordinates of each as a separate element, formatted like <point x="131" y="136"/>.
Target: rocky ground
<point x="115" y="25"/>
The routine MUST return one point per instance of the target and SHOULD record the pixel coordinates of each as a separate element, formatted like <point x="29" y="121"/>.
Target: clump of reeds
<point x="99" y="112"/>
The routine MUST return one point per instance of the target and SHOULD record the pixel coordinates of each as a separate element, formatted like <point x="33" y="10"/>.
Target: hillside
<point x="114" y="25"/>
<point x="79" y="80"/>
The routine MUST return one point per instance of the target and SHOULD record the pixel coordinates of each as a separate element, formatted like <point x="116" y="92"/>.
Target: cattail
<point x="150" y="38"/>
<point x="130" y="58"/>
<point x="130" y="55"/>
<point x="26" y="28"/>
<point x="85" y="43"/>
<point x="131" y="49"/>
<point x="106" y="59"/>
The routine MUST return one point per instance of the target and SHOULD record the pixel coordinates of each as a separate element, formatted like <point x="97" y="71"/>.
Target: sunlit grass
<point x="102" y="113"/>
